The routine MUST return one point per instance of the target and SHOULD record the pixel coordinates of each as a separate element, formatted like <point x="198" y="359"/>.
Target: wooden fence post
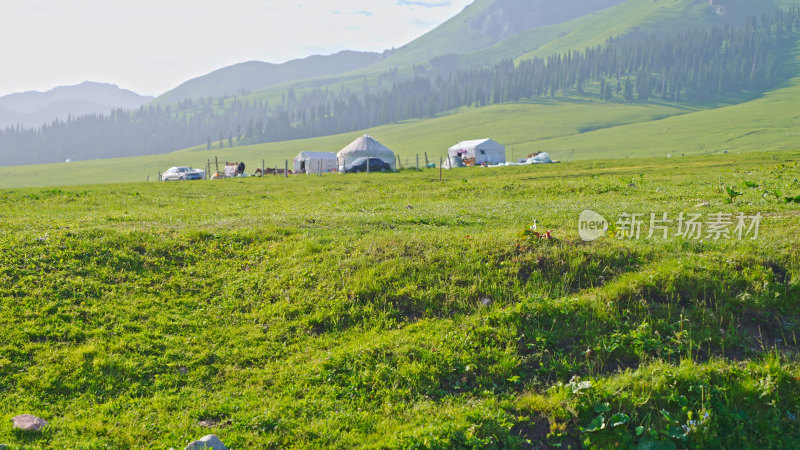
<point x="440" y="168"/>
<point x="417" y="162"/>
<point x="426" y="159"/>
<point x="285" y="168"/>
<point x="367" y="164"/>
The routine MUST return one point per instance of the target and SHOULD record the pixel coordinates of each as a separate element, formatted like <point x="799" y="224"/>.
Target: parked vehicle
<point x="182" y="173"/>
<point x="360" y="165"/>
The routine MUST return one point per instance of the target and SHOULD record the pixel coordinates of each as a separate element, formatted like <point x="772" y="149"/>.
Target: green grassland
<point x="584" y="128"/>
<point x="400" y="311"/>
<point x="581" y="128"/>
<point x="770" y="122"/>
<point x="516" y="125"/>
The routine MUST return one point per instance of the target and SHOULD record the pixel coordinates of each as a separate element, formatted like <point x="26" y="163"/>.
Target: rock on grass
<point x="210" y="441"/>
<point x="27" y="422"/>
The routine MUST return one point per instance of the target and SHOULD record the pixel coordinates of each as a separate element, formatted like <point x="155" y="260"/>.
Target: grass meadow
<point x="400" y="311"/>
<point x="567" y="128"/>
<point x="518" y="126"/>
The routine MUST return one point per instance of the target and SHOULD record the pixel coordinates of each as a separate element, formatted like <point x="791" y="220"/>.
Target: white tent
<point x="312" y="162"/>
<point x="365" y="146"/>
<point x="481" y="151"/>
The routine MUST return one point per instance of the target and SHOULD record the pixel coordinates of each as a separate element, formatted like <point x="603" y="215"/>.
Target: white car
<point x="182" y="173"/>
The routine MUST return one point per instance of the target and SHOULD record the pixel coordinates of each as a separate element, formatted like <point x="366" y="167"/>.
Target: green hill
<point x="414" y="310"/>
<point x="458" y="44"/>
<point x="397" y="311"/>
<point x="582" y="128"/>
<point x="519" y="126"/>
<point x="486" y="23"/>
<point x="481" y="25"/>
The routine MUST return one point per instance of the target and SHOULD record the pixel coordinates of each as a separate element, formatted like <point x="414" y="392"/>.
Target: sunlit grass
<point x="395" y="310"/>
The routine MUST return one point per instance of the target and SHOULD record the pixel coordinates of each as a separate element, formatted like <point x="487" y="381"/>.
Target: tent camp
<point x="474" y="153"/>
<point x="365" y="146"/>
<point x="312" y="162"/>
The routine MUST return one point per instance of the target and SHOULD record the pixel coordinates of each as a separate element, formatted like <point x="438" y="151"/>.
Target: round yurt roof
<point x="365" y="146"/>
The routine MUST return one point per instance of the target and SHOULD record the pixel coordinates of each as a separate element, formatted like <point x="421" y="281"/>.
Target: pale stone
<point x="210" y="441"/>
<point x="27" y="422"/>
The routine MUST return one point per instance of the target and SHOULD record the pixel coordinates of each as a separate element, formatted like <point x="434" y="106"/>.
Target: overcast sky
<point x="151" y="46"/>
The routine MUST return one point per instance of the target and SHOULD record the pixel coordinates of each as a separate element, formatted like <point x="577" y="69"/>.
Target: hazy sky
<point x="151" y="46"/>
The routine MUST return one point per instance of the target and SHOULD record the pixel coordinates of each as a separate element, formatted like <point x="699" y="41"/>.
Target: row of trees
<point x="693" y="66"/>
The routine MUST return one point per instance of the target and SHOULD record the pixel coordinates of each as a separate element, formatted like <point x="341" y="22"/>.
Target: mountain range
<point x="34" y="109"/>
<point x="257" y="75"/>
<point x="486" y="35"/>
<point x="483" y="33"/>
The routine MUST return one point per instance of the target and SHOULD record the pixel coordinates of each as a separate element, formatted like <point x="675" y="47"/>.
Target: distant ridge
<point x="487" y="22"/>
<point x="34" y="108"/>
<point x="257" y="75"/>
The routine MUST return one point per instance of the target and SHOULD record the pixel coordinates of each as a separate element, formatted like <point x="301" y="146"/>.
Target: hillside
<point x="255" y="75"/>
<point x="457" y="44"/>
<point x="397" y="311"/>
<point x="581" y="128"/>
<point x="683" y="68"/>
<point x="519" y="126"/>
<point x="484" y="23"/>
<point x="33" y="109"/>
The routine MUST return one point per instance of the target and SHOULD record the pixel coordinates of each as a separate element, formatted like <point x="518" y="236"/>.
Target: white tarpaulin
<point x="541" y="158"/>
<point x="313" y="162"/>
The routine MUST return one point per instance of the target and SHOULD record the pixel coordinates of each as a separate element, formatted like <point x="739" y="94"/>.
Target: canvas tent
<point x="312" y="162"/>
<point x="365" y="146"/>
<point x="477" y="152"/>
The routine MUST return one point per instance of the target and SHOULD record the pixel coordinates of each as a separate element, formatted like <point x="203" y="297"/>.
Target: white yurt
<point x="365" y="146"/>
<point x="477" y="152"/>
<point x="314" y="162"/>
